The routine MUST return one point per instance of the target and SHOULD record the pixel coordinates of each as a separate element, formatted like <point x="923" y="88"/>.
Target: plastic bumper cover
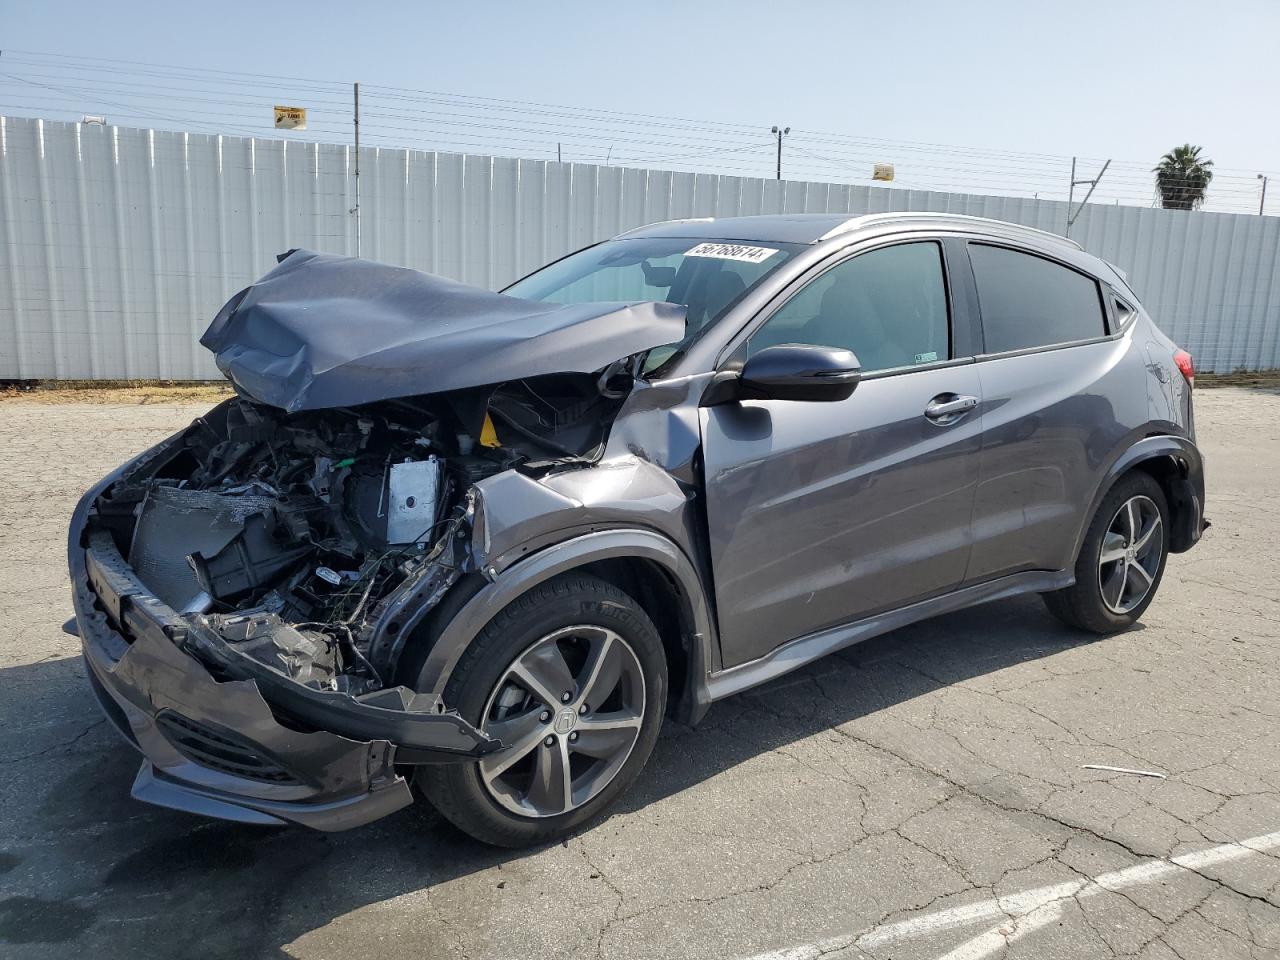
<point x="248" y="744"/>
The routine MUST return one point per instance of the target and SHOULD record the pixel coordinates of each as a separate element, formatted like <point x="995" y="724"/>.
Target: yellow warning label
<point x="488" y="435"/>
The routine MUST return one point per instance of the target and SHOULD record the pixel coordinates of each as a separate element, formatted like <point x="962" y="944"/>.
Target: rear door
<point x="1060" y="395"/>
<point x="823" y="513"/>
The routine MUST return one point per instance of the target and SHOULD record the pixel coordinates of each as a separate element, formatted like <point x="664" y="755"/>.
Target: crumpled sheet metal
<point x="322" y="331"/>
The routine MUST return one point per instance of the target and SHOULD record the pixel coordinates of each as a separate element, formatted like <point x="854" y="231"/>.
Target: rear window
<point x="1028" y="301"/>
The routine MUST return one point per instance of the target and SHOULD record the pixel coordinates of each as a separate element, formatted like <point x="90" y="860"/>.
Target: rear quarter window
<point x="1028" y="301"/>
<point x="1123" y="312"/>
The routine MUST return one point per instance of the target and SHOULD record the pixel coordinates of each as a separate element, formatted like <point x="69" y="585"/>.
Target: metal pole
<point x="1071" y="194"/>
<point x="357" y="126"/>
<point x="778" y="132"/>
<point x="1092" y="186"/>
<point x="558" y="160"/>
<point x="1071" y="217"/>
<point x="1263" y="202"/>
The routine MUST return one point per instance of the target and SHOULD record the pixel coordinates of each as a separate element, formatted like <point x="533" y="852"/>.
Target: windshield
<point x="707" y="277"/>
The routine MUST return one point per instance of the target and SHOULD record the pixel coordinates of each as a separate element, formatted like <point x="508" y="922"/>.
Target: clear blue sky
<point x="1126" y="80"/>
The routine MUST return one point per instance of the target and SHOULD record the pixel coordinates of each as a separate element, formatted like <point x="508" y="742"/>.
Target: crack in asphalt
<point x="1079" y="827"/>
<point x="60" y="747"/>
<point x="1203" y="711"/>
<point x="959" y="788"/>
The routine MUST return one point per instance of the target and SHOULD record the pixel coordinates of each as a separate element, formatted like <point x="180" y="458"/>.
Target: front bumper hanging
<point x="226" y="736"/>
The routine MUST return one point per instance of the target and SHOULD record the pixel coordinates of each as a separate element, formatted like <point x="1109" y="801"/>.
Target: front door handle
<point x="948" y="408"/>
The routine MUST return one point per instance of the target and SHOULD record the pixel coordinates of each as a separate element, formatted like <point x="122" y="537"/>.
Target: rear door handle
<point x="949" y="407"/>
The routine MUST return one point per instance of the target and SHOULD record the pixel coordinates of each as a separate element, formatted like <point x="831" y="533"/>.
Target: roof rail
<point x="870" y="219"/>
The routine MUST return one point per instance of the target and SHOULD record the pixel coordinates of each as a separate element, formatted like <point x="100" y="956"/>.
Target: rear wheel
<point x="1121" y="561"/>
<point x="572" y="679"/>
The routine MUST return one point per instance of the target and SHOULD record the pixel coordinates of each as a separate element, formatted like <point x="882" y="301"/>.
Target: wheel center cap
<point x="565" y="721"/>
<point x="1131" y="554"/>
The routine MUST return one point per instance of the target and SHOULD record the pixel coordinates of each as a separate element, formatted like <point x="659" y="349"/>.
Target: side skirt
<point x="796" y="653"/>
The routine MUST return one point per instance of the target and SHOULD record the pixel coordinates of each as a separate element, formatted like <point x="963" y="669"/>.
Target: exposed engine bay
<point x="300" y="539"/>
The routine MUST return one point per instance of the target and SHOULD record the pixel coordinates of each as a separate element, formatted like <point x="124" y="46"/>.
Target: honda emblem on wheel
<point x="565" y="720"/>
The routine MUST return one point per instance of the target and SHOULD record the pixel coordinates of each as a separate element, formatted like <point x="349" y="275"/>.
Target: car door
<point x="1060" y="395"/>
<point x="824" y="513"/>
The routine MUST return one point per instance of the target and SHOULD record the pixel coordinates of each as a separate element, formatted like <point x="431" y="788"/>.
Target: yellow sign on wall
<point x="291" y="118"/>
<point x="881" y="171"/>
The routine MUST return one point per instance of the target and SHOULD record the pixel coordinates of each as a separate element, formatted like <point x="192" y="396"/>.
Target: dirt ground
<point x="115" y="392"/>
<point x="923" y="795"/>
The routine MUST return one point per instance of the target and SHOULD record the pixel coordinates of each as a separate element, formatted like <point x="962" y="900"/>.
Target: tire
<point x="577" y="622"/>
<point x="1093" y="602"/>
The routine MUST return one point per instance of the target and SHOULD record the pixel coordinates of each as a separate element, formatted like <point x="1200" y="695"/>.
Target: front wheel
<point x="1121" y="561"/>
<point x="572" y="679"/>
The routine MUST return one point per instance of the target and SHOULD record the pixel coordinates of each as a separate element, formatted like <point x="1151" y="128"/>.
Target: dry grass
<point x="114" y="391"/>
<point x="1267" y="379"/>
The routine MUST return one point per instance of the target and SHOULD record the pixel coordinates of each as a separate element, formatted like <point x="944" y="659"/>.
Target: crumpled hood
<point x="323" y="331"/>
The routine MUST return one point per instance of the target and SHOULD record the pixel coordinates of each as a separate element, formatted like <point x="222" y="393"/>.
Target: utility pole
<point x="1071" y="193"/>
<point x="558" y="160"/>
<point x="356" y="211"/>
<point x="1263" y="202"/>
<point x="780" y="133"/>
<point x="1071" y="216"/>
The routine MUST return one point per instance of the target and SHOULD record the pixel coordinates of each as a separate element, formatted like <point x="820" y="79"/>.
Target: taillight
<point x="1186" y="365"/>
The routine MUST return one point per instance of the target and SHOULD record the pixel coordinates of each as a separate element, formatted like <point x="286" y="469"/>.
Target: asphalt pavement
<point x="923" y="795"/>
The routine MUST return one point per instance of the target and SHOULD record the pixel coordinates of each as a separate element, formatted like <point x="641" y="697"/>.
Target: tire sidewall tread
<point x="1081" y="605"/>
<point x="456" y="790"/>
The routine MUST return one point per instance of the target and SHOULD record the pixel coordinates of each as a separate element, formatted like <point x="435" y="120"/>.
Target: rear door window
<point x="1029" y="301"/>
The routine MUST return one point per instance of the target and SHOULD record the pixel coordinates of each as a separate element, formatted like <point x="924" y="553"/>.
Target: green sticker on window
<point x="929" y="357"/>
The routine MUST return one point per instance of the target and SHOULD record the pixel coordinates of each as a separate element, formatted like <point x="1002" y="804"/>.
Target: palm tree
<point x="1182" y="178"/>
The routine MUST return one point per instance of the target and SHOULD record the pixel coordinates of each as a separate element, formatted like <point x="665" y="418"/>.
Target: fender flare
<point x="566" y="555"/>
<point x="1190" y="466"/>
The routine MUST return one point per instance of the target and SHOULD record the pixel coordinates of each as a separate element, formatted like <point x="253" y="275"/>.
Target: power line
<point x="403" y="117"/>
<point x="418" y="94"/>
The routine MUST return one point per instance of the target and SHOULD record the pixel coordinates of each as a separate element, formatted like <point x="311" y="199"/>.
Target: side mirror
<point x="789" y="371"/>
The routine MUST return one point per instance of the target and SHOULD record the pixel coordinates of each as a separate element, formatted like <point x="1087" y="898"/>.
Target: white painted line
<point x="1136" y="773"/>
<point x="1022" y="913"/>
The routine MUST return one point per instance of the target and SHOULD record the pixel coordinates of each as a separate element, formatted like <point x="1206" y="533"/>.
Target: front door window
<point x="889" y="306"/>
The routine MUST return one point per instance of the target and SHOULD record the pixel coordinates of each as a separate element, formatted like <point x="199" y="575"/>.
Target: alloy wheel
<point x="1131" y="552"/>
<point x="568" y="712"/>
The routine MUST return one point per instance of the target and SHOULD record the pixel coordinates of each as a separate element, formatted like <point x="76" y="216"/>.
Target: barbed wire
<point x="206" y="100"/>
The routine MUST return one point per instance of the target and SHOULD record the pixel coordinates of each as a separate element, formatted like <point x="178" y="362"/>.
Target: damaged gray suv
<point x="480" y="544"/>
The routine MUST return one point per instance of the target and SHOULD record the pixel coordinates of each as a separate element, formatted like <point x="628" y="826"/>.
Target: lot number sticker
<point x="731" y="251"/>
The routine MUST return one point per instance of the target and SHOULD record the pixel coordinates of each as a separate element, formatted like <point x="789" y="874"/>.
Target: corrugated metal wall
<point x="120" y="244"/>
